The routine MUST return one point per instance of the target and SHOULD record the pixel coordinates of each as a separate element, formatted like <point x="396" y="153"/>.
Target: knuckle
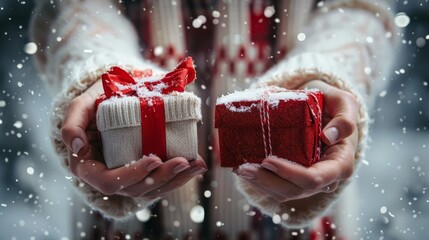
<point x="331" y="188"/>
<point x="350" y="98"/>
<point x="66" y="130"/>
<point x="348" y="125"/>
<point x="107" y="192"/>
<point x="296" y="192"/>
<point x="314" y="183"/>
<point x="348" y="171"/>
<point x="106" y="188"/>
<point x="334" y="187"/>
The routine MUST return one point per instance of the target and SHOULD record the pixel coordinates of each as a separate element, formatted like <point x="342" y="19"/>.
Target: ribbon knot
<point x="118" y="82"/>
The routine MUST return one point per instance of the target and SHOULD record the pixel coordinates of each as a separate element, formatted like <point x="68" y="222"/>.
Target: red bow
<point x="117" y="82"/>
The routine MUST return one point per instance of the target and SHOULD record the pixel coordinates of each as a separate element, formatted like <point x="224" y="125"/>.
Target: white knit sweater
<point x="348" y="44"/>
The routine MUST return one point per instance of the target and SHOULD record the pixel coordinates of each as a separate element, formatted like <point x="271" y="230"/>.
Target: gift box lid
<point x="130" y="96"/>
<point x="284" y="108"/>
<point x="120" y="112"/>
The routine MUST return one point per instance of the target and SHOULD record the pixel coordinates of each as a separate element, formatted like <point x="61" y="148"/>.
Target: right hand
<point x="284" y="180"/>
<point x="148" y="178"/>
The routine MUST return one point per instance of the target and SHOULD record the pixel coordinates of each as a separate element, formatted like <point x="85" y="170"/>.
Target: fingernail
<point x="270" y="167"/>
<point x="180" y="167"/>
<point x="77" y="145"/>
<point x="245" y="174"/>
<point x="197" y="170"/>
<point x="153" y="166"/>
<point x="332" y="134"/>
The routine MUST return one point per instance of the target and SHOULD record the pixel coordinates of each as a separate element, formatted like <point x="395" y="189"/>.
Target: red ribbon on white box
<point x="118" y="82"/>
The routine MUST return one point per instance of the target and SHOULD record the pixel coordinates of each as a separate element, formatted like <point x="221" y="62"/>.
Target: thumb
<point x="78" y="116"/>
<point x="337" y="129"/>
<point x="341" y="107"/>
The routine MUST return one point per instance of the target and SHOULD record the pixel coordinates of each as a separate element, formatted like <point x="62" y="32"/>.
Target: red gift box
<point x="257" y="123"/>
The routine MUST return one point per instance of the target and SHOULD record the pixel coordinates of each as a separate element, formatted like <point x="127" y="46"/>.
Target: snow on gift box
<point x="257" y="123"/>
<point x="143" y="113"/>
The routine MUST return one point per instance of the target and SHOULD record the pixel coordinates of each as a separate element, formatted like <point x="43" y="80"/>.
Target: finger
<point x="266" y="192"/>
<point x="268" y="180"/>
<point x="79" y="116"/>
<point x="330" y="188"/>
<point x="110" y="181"/>
<point x="337" y="164"/>
<point x="343" y="108"/>
<point x="284" y="196"/>
<point x="197" y="168"/>
<point x="340" y="127"/>
<point x="79" y="113"/>
<point x="158" y="178"/>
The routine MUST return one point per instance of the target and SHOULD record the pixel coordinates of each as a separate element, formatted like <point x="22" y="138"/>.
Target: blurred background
<point x="392" y="183"/>
<point x="34" y="194"/>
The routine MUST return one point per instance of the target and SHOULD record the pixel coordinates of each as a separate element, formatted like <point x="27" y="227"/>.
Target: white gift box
<point x="119" y="123"/>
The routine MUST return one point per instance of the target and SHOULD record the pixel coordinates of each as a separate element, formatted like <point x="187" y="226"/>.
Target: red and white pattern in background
<point x="162" y="32"/>
<point x="243" y="47"/>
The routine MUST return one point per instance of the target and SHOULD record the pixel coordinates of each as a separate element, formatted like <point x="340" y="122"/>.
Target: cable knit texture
<point x="348" y="45"/>
<point x="119" y="122"/>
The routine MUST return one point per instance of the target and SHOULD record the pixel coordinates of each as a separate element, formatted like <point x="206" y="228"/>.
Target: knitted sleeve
<point x="349" y="45"/>
<point x="77" y="41"/>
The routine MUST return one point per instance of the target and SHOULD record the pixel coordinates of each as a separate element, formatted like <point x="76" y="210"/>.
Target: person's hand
<point x="148" y="177"/>
<point x="283" y="180"/>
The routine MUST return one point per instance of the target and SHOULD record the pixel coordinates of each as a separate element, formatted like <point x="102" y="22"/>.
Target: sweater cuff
<point x="293" y="73"/>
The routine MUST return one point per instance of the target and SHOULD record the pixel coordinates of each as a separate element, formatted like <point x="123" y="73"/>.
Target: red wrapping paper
<point x="252" y="129"/>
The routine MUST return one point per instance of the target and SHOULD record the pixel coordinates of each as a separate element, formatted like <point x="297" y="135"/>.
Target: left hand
<point x="149" y="178"/>
<point x="283" y="180"/>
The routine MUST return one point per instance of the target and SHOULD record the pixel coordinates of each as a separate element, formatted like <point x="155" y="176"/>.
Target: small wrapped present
<point x="142" y="114"/>
<point x="256" y="123"/>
